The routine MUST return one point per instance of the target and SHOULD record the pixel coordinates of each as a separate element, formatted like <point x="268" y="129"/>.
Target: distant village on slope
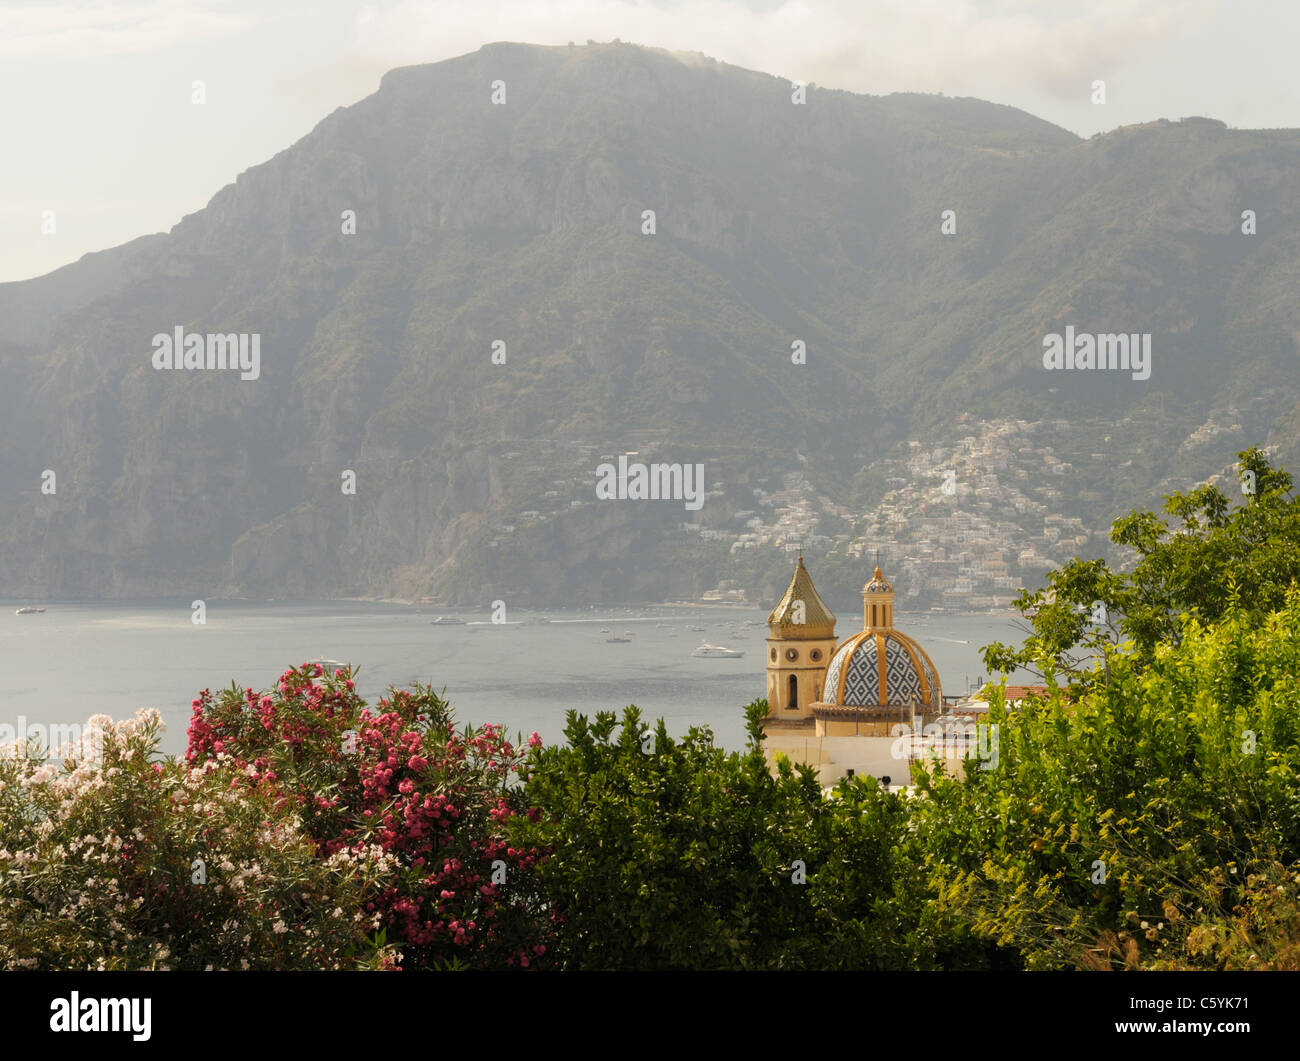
<point x="970" y="544"/>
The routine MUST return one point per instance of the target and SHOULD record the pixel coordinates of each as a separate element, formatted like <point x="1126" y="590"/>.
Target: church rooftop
<point x="812" y="617"/>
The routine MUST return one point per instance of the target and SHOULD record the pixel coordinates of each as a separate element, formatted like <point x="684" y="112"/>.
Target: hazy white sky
<point x="96" y="121"/>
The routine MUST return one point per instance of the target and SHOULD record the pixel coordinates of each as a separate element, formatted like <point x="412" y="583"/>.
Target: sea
<point x="80" y="659"/>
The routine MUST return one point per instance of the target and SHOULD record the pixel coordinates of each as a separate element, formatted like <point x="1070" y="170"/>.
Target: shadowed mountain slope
<point x="522" y="222"/>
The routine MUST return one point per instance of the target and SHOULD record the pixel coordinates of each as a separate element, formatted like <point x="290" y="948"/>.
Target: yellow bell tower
<point x="799" y="648"/>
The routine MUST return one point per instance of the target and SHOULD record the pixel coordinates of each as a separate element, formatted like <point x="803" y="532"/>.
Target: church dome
<point x="881" y="668"/>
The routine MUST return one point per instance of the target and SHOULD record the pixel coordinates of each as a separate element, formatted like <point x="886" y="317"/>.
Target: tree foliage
<point x="1208" y="554"/>
<point x="1138" y="814"/>
<point x="675" y="854"/>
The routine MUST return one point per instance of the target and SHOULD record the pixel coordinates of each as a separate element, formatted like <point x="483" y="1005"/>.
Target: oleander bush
<point x="401" y="778"/>
<point x="113" y="857"/>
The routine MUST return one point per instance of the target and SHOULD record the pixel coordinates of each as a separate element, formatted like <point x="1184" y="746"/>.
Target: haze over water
<point x="77" y="660"/>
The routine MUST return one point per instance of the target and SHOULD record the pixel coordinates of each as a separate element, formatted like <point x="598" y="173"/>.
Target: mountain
<point x="522" y="222"/>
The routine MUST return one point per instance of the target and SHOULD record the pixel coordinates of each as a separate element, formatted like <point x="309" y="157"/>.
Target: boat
<point x="447" y="620"/>
<point x="707" y="651"/>
<point x="618" y="640"/>
<point x="696" y="629"/>
<point x="330" y="666"/>
<point x="28" y="610"/>
<point x="604" y="629"/>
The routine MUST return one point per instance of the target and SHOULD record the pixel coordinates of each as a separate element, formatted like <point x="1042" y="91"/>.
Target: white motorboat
<point x="707" y="651"/>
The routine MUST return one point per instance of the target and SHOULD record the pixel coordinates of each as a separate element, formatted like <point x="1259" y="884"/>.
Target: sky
<point x="97" y="123"/>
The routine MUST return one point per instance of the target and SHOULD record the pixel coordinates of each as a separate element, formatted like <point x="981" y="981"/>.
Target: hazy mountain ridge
<point x="521" y="222"/>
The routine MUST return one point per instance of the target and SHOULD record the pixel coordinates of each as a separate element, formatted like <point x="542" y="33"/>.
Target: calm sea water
<point x="77" y="660"/>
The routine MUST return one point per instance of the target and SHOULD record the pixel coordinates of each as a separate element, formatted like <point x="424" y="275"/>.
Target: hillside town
<point x="969" y="523"/>
<point x="966" y="522"/>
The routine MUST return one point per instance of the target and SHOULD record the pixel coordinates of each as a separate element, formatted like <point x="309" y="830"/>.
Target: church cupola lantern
<point x="877" y="603"/>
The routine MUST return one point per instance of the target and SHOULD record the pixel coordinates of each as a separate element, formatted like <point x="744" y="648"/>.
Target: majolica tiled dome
<point x="881" y="668"/>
